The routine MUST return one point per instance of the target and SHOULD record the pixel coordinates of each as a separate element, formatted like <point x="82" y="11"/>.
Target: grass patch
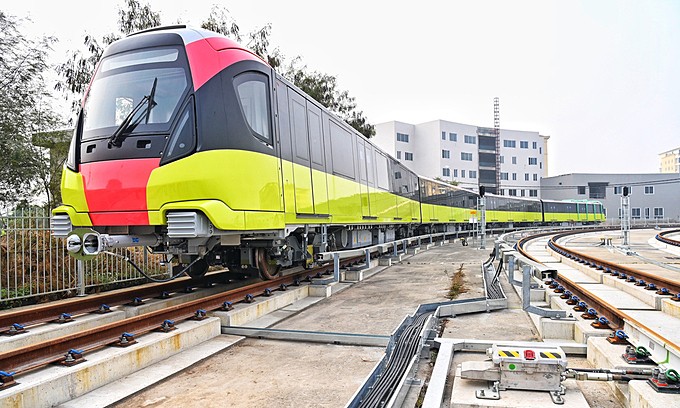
<point x="457" y="284"/>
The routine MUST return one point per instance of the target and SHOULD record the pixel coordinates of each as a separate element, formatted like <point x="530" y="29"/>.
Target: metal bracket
<point x="493" y="393"/>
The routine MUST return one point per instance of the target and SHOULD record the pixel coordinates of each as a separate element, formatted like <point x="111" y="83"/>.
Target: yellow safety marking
<point x="515" y="353"/>
<point x="508" y="353"/>
<point x="502" y="353"/>
<point x="550" y="355"/>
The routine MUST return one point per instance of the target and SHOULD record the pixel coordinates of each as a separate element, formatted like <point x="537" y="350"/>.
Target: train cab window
<point x="183" y="139"/>
<point x="253" y="93"/>
<point x="383" y="171"/>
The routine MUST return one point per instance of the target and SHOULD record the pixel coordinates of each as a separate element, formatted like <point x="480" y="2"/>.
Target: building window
<point x="618" y="190"/>
<point x="504" y="176"/>
<point x="446" y="154"/>
<point x="453" y="137"/>
<point x="408" y="156"/>
<point x="399" y="154"/>
<point x="581" y="190"/>
<point x="512" y="192"/>
<point x="521" y="193"/>
<point x="540" y="150"/>
<point x="526" y="176"/>
<point x="501" y="159"/>
<point x="535" y="177"/>
<point x="635" y="213"/>
<point x="541" y="165"/>
<point x="514" y="159"/>
<point x="649" y="190"/>
<point x="470" y="139"/>
<point x="523" y="144"/>
<point x="473" y="173"/>
<point x="647" y="212"/>
<point x="466" y="156"/>
<point x="533" y="145"/>
<point x="443" y="135"/>
<point x="658" y="212"/>
<point x="533" y="193"/>
<point x="462" y="173"/>
<point x="514" y="176"/>
<point x="509" y="143"/>
<point x="446" y="172"/>
<point x="533" y="161"/>
<point x="455" y="172"/>
<point x="598" y="190"/>
<point x="402" y="137"/>
<point x="501" y="191"/>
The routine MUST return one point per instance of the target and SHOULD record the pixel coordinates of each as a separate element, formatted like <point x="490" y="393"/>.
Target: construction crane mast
<point x="497" y="134"/>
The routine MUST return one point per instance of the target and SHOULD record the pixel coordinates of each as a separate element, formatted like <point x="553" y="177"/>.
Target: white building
<point x="670" y="161"/>
<point x="467" y="154"/>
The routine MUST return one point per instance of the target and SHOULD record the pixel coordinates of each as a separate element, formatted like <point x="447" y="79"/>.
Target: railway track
<point x="71" y="348"/>
<point x="603" y="313"/>
<point x="662" y="236"/>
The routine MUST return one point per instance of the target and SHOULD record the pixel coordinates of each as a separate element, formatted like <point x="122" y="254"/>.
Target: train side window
<point x="315" y="142"/>
<point x="370" y="165"/>
<point x="252" y="89"/>
<point x="341" y="146"/>
<point x="361" y="158"/>
<point x="300" y="130"/>
<point x="383" y="172"/>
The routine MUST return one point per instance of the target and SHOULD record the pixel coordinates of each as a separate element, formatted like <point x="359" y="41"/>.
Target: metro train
<point x="191" y="145"/>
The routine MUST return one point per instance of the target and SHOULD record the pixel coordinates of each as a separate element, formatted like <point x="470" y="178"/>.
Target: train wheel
<point x="198" y="269"/>
<point x="268" y="269"/>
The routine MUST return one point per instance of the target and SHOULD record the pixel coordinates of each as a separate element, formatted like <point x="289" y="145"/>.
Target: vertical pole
<point x="482" y="209"/>
<point x="368" y="259"/>
<point x="336" y="267"/>
<point x="526" y="287"/>
<point x="394" y="248"/>
<point x="511" y="268"/>
<point x="625" y="219"/>
<point x="80" y="269"/>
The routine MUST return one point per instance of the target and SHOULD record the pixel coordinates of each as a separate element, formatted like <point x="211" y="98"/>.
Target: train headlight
<point x="73" y="243"/>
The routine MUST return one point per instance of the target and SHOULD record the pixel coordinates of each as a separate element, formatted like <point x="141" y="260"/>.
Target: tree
<point x="25" y="109"/>
<point x="78" y="69"/>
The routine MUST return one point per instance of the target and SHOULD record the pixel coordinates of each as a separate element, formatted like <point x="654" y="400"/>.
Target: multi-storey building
<point x="670" y="161"/>
<point x="467" y="154"/>
<point x="653" y="197"/>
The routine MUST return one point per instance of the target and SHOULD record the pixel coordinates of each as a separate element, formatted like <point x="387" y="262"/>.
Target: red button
<point x="529" y="355"/>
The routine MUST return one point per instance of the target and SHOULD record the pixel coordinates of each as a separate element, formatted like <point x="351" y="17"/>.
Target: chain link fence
<point x="33" y="264"/>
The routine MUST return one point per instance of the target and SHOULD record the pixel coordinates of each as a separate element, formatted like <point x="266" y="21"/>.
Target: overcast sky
<point x="602" y="78"/>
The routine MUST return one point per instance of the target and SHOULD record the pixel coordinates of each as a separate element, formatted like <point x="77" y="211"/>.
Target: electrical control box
<point x="532" y="367"/>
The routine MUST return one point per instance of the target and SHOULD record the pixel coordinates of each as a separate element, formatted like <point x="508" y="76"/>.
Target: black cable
<point x="177" y="275"/>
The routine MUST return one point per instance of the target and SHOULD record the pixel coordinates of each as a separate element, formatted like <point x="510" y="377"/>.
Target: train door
<point x="363" y="180"/>
<point x="316" y="144"/>
<point x="302" y="172"/>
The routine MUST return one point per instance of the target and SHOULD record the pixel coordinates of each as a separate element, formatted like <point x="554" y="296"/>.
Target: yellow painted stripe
<point x="502" y="353"/>
<point x="515" y="353"/>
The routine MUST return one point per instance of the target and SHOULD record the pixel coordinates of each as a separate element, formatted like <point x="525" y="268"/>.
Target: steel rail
<point x="36" y="314"/>
<point x="601" y="264"/>
<point x="616" y="317"/>
<point x="30" y="357"/>
<point x="662" y="237"/>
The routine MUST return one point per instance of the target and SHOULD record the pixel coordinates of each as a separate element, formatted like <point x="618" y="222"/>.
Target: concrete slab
<point x="602" y="354"/>
<point x="618" y="299"/>
<point x="577" y="276"/>
<point x="463" y="396"/>
<point x="660" y="323"/>
<point x="648" y="296"/>
<point x="642" y="395"/>
<point x="48" y="331"/>
<point x="670" y="307"/>
<point x="133" y="383"/>
<point x="104" y="366"/>
<point x="244" y="313"/>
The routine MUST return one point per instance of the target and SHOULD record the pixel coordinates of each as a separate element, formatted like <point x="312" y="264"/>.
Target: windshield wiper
<point x="127" y="126"/>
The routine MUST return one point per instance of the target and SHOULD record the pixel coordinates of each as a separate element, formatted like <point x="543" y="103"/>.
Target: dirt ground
<point x="259" y="373"/>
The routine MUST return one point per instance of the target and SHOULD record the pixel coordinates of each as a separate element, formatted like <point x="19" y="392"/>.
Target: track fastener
<point x="267" y="292"/>
<point x="72" y="358"/>
<point x="637" y="355"/>
<point x="189" y="289"/>
<point x="226" y="306"/>
<point x="136" y="302"/>
<point x="296" y="282"/>
<point x="601" y="323"/>
<point x="249" y="298"/>
<point x="200" y="314"/>
<point x="283" y="286"/>
<point x="63" y="318"/>
<point x="125" y="340"/>
<point x="623" y="276"/>
<point x="640" y="283"/>
<point x="631" y="279"/>
<point x="650" y="286"/>
<point x="591" y="314"/>
<point x="7" y="379"/>
<point x="103" y="308"/>
<point x="164" y="295"/>
<point x="14" y="329"/>
<point x="573" y="300"/>
<point x="167" y="326"/>
<point x="618" y="337"/>
<point x="581" y="307"/>
<point x="565" y="295"/>
<point x="559" y="289"/>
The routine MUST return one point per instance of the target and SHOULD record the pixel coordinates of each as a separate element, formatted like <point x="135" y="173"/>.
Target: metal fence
<point x="33" y="263"/>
